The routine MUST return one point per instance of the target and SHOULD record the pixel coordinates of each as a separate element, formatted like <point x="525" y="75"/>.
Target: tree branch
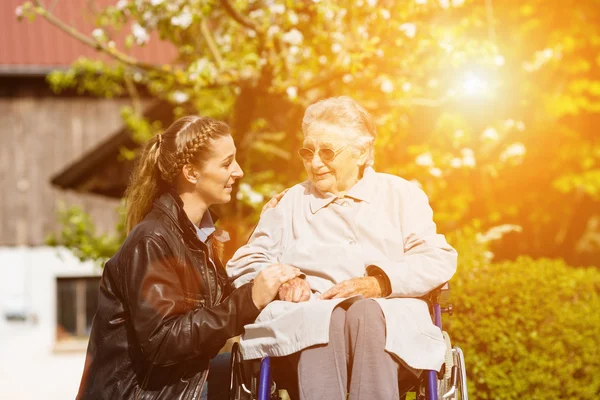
<point x="114" y="53"/>
<point x="240" y="19"/>
<point x="212" y="46"/>
<point x="133" y="93"/>
<point x="125" y="59"/>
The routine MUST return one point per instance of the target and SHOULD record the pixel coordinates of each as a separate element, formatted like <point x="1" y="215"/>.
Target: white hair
<point x="347" y="113"/>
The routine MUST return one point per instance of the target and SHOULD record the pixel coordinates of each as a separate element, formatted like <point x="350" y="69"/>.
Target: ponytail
<point x="144" y="185"/>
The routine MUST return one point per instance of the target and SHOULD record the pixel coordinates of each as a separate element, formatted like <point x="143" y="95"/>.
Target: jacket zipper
<point x="210" y="289"/>
<point x="213" y="267"/>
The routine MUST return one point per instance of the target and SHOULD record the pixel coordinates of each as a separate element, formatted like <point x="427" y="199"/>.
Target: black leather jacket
<point x="164" y="311"/>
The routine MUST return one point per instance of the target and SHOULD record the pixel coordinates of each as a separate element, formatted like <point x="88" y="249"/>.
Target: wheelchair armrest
<point x="440" y="295"/>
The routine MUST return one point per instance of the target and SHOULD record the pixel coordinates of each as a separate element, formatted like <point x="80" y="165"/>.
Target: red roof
<point x="39" y="45"/>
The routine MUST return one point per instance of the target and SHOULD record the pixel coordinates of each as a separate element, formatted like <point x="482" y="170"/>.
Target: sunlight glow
<point x="475" y="85"/>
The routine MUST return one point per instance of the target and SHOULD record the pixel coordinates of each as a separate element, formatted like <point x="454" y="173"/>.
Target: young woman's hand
<point x="269" y="280"/>
<point x="295" y="290"/>
<point x="274" y="201"/>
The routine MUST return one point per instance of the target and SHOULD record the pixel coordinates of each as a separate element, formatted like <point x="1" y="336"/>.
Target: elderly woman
<point x="368" y="248"/>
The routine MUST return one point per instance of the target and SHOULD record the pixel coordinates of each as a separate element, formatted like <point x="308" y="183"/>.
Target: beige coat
<point x="383" y="221"/>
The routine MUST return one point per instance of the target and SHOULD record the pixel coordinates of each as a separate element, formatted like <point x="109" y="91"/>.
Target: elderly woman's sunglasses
<point x="325" y="153"/>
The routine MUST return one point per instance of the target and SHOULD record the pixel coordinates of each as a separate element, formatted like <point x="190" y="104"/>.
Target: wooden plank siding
<point x="41" y="135"/>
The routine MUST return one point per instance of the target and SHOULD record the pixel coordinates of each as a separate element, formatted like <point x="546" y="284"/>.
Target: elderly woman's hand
<point x="269" y="280"/>
<point x="295" y="290"/>
<point x="368" y="286"/>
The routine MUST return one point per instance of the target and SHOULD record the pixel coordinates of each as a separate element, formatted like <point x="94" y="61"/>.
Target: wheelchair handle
<point x="449" y="310"/>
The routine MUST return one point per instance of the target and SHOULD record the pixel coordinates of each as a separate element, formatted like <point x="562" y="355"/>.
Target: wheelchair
<point x="252" y="380"/>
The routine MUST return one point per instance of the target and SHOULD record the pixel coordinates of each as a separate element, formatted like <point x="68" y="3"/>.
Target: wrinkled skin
<point x="295" y="290"/>
<point x="368" y="286"/>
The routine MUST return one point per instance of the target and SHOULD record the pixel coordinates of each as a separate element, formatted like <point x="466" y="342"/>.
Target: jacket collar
<point x="361" y="191"/>
<point x="171" y="204"/>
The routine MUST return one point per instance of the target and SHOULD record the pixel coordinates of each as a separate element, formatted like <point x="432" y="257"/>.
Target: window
<point x="76" y="304"/>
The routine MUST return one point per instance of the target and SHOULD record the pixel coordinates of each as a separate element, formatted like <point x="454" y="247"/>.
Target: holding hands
<point x="295" y="290"/>
<point x="286" y="282"/>
<point x="269" y="280"/>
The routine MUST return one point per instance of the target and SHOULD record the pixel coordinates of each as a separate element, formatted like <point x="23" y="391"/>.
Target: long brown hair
<point x="186" y="141"/>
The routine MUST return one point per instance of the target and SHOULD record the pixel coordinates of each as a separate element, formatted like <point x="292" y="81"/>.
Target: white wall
<point x="32" y="366"/>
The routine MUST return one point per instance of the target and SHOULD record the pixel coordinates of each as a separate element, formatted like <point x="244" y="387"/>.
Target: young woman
<point x="165" y="304"/>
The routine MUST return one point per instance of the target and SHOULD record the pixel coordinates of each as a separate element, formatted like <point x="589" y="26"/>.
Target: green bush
<point x="78" y="233"/>
<point x="530" y="329"/>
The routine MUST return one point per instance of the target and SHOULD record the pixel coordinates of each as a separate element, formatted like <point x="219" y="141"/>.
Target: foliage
<point x="490" y="106"/>
<point x="529" y="328"/>
<point x="78" y="233"/>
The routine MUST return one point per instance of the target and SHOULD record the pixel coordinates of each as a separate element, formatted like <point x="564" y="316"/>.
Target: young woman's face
<point x="219" y="172"/>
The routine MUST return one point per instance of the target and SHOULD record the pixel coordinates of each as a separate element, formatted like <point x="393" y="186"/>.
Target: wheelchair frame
<point x="262" y="386"/>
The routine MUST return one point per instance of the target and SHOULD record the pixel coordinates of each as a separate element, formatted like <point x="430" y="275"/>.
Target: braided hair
<point x="186" y="141"/>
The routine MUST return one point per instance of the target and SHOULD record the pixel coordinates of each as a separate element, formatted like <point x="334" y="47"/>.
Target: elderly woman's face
<point x="334" y="175"/>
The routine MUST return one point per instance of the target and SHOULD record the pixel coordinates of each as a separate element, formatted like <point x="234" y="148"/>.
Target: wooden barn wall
<point x="41" y="135"/>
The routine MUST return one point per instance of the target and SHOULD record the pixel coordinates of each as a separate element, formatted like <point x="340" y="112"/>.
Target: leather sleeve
<point x="166" y="331"/>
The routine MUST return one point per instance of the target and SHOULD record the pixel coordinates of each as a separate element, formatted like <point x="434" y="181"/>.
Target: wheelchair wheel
<point x="237" y="387"/>
<point x="250" y="380"/>
<point x="453" y="385"/>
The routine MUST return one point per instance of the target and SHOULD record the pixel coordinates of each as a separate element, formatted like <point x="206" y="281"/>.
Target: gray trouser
<point x="354" y="361"/>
